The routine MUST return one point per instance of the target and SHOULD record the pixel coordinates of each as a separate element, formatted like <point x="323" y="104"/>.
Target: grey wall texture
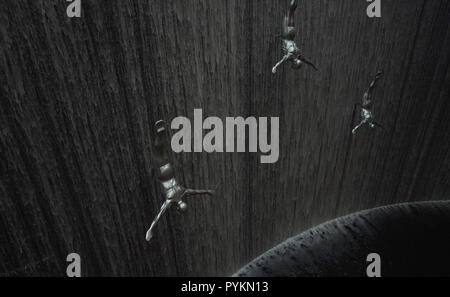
<point x="78" y="99"/>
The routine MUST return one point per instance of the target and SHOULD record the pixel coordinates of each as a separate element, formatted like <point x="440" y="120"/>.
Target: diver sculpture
<point x="367" y="116"/>
<point x="174" y="192"/>
<point x="290" y="49"/>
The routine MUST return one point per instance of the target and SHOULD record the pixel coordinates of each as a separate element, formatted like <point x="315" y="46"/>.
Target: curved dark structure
<point x="412" y="240"/>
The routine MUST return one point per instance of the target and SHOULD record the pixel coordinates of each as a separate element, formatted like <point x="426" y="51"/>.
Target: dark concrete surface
<point x="411" y="240"/>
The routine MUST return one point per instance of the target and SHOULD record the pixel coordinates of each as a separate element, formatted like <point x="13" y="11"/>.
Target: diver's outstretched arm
<point x="285" y="58"/>
<point x="307" y="62"/>
<point x="359" y="126"/>
<point x="376" y="124"/>
<point x="191" y="192"/>
<point x="163" y="209"/>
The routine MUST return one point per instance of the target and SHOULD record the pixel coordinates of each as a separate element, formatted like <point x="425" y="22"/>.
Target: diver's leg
<point x="291" y="13"/>
<point x="163" y="209"/>
<point x="288" y="24"/>
<point x="372" y="85"/>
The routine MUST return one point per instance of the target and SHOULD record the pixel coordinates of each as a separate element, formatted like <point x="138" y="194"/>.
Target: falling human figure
<point x="367" y="106"/>
<point x="173" y="191"/>
<point x="290" y="49"/>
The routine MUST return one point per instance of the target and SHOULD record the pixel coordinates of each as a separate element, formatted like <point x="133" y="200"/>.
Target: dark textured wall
<point x="79" y="98"/>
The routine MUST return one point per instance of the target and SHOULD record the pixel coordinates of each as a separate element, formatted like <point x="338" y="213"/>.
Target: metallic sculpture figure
<point x="290" y="49"/>
<point x="367" y="107"/>
<point x="173" y="191"/>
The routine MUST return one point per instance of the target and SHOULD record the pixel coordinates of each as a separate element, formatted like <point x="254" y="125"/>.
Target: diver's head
<point x="297" y="63"/>
<point x="182" y="206"/>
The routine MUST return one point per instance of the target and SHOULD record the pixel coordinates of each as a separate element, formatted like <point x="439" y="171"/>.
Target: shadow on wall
<point x="411" y="240"/>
